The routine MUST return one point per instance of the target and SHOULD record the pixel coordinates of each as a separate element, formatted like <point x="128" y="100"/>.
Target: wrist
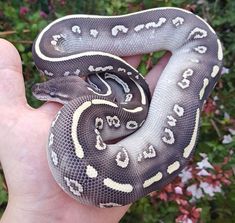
<point x="19" y="211"/>
<point x="28" y="211"/>
<point x="14" y="215"/>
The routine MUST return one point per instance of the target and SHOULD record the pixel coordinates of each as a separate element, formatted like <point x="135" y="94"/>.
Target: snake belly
<point x="84" y="160"/>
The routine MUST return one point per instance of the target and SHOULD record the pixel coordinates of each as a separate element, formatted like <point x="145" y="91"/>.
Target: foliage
<point x="21" y="21"/>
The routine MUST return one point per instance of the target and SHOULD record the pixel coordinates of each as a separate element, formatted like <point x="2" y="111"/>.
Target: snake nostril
<point x="35" y="88"/>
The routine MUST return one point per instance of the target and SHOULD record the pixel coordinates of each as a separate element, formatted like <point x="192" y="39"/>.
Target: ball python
<point x="111" y="143"/>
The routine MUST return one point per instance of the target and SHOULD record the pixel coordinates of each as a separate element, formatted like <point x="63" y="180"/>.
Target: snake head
<point x="42" y="91"/>
<point x="62" y="89"/>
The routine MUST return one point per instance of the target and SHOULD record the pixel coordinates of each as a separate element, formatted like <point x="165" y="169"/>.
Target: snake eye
<point x="52" y="92"/>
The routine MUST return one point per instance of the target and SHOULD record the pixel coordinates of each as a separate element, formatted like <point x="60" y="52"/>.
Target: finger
<point x="50" y="108"/>
<point x="155" y="73"/>
<point x="12" y="89"/>
<point x="134" y="61"/>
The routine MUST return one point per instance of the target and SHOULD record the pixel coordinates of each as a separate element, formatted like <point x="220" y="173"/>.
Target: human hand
<point x="34" y="195"/>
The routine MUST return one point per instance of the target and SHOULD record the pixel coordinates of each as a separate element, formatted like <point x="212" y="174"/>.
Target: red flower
<point x="163" y="196"/>
<point x="210" y="106"/>
<point x="23" y="10"/>
<point x="62" y="2"/>
<point x="43" y="14"/>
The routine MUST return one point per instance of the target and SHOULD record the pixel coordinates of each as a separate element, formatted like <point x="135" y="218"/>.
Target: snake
<point x="112" y="143"/>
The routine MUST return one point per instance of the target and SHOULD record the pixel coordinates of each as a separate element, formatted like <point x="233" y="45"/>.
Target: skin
<point x="33" y="194"/>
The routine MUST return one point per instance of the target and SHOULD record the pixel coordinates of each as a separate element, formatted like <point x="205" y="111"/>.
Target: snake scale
<point x="105" y="99"/>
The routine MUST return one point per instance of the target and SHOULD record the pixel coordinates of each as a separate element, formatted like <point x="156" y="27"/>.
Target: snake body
<point x="106" y="99"/>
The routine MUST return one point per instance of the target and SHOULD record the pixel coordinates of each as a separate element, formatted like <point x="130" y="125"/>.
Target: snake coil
<point x="106" y="99"/>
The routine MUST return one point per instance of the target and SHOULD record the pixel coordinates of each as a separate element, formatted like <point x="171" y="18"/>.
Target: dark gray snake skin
<point x="105" y="99"/>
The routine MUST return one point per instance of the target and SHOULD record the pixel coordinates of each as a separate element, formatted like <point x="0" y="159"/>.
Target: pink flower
<point x="225" y="70"/>
<point x="163" y="196"/>
<point x="204" y="164"/>
<point x="62" y="2"/>
<point x="186" y="175"/>
<point x="227" y="139"/>
<point x="195" y="191"/>
<point x="24" y="10"/>
<point x="189" y="215"/>
<point x="210" y="189"/>
<point x="178" y="190"/>
<point x="232" y="131"/>
<point x="209" y="107"/>
<point x="187" y="220"/>
<point x="43" y="14"/>
<point x="203" y="173"/>
<point x="184" y="219"/>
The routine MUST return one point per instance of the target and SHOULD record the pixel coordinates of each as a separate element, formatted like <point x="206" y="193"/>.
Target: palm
<point x="23" y="135"/>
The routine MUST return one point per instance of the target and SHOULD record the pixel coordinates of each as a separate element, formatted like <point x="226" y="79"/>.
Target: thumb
<point x="12" y="89"/>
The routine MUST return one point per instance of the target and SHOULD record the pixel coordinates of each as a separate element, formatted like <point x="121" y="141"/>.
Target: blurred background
<point x="204" y="191"/>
